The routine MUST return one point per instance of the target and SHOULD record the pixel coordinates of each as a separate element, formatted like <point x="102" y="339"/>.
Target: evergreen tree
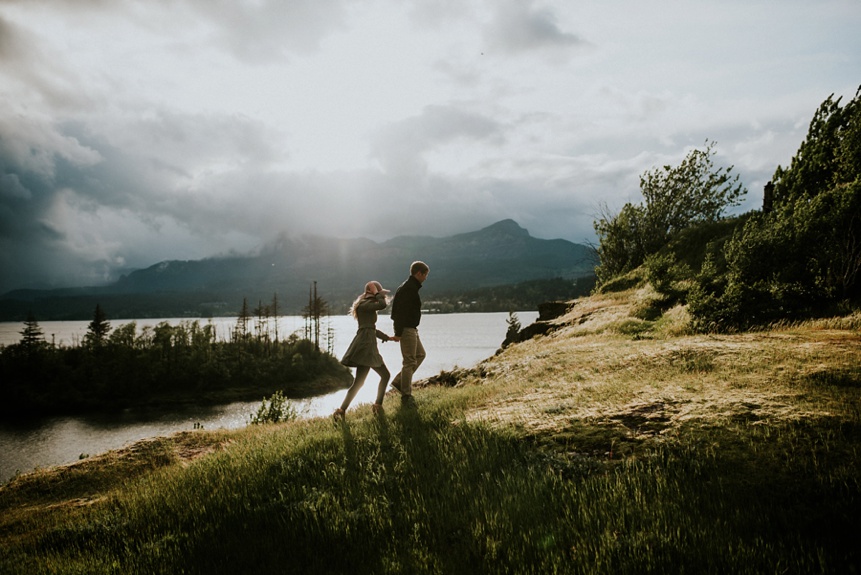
<point x="317" y="307"/>
<point x="512" y="334"/>
<point x="261" y="312"/>
<point x="31" y="335"/>
<point x="240" y="332"/>
<point x="97" y="330"/>
<point x="274" y="310"/>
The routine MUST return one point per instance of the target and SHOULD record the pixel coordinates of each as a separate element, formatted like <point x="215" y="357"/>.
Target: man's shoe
<point x="408" y="401"/>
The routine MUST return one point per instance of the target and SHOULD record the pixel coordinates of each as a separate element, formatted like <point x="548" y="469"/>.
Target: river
<point x="451" y="340"/>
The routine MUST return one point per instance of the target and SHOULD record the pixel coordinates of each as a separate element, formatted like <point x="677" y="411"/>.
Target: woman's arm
<point x="383" y="336"/>
<point x="375" y="303"/>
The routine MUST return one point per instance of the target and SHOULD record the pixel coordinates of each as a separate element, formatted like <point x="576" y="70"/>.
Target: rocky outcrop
<point x="547" y="312"/>
<point x="552" y="309"/>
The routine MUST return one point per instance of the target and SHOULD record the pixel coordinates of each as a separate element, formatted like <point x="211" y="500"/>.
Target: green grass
<point x="427" y="492"/>
<point x="584" y="452"/>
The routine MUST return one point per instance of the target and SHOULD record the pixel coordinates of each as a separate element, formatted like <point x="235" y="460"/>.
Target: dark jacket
<point x="407" y="305"/>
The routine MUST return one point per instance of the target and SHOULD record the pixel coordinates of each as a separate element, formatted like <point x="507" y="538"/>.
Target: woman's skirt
<point x="363" y="349"/>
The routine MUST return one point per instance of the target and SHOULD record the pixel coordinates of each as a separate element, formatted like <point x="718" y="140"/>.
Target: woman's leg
<point x="384" y="374"/>
<point x="358" y="382"/>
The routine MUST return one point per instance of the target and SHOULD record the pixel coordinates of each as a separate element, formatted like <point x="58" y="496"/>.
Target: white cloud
<point x="133" y="131"/>
<point x="518" y="26"/>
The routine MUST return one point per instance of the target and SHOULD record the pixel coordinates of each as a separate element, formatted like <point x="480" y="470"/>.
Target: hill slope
<point x="501" y="254"/>
<point x="609" y="445"/>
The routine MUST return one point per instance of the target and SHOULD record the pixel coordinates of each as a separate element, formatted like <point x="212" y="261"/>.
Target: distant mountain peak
<point x="507" y="226"/>
<point x="498" y="255"/>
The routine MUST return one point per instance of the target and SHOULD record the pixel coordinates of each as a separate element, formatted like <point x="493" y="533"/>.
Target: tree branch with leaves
<point x="674" y="199"/>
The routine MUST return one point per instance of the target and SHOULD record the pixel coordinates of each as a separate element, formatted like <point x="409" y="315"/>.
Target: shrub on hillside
<point x="675" y="198"/>
<point x="803" y="257"/>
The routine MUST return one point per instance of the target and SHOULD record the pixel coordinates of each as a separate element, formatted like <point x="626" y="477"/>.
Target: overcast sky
<point x="135" y="131"/>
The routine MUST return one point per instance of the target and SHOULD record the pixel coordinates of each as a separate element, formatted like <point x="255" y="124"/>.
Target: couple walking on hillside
<point x="363" y="353"/>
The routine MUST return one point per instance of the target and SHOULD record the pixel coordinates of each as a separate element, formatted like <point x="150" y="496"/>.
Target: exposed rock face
<point x="535" y="329"/>
<point x="552" y="309"/>
<point x="547" y="312"/>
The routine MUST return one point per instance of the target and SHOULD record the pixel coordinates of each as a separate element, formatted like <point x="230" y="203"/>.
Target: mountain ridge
<point x="503" y="253"/>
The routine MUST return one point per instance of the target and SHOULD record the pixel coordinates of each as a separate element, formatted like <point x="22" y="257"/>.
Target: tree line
<point x="797" y="257"/>
<point x="125" y="366"/>
<point x="521" y="296"/>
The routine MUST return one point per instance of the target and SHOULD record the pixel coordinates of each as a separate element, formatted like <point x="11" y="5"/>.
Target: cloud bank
<point x="133" y="132"/>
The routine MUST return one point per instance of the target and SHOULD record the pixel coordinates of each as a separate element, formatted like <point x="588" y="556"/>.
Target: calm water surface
<point x="451" y="340"/>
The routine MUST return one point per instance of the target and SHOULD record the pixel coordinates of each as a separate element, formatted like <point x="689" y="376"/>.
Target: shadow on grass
<point x="420" y="491"/>
<point x="409" y="493"/>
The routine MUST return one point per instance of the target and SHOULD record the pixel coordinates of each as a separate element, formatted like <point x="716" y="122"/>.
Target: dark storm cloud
<point x="11" y="188"/>
<point x="154" y="172"/>
<point x="134" y="131"/>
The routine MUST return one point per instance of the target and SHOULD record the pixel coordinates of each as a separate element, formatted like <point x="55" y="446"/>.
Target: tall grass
<point x="585" y="451"/>
<point x="428" y="492"/>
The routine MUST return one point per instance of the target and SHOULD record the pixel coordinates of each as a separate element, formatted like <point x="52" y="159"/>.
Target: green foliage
<point x="630" y="280"/>
<point x="183" y="362"/>
<point x="32" y="336"/>
<point x="830" y="154"/>
<point x="679" y="269"/>
<point x="668" y="276"/>
<point x="241" y="331"/>
<point x="674" y="199"/>
<point x="98" y="329"/>
<point x="513" y="325"/>
<point x="802" y="258"/>
<point x="691" y="193"/>
<point x="621" y="246"/>
<point x="831" y="221"/>
<point x="430" y="492"/>
<point x="691" y="247"/>
<point x="278" y="409"/>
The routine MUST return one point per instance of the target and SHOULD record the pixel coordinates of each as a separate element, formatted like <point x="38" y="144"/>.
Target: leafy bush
<point x="674" y="199"/>
<point x="798" y="258"/>
<point x="630" y="280"/>
<point x="802" y="258"/>
<point x="277" y="410"/>
<point x="165" y="363"/>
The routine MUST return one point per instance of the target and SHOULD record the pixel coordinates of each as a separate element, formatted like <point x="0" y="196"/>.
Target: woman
<point x="363" y="353"/>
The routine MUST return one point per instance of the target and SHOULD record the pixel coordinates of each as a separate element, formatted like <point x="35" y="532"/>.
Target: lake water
<point x="451" y="340"/>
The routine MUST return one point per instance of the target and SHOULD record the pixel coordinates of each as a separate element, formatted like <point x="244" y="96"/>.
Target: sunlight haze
<point x="133" y="132"/>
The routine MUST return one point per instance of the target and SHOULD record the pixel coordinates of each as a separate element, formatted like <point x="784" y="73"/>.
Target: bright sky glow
<point x="134" y="131"/>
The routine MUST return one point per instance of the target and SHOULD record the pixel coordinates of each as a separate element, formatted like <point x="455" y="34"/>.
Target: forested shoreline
<point x="62" y="306"/>
<point x="165" y="364"/>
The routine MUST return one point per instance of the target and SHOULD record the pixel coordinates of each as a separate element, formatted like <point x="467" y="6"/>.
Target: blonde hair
<point x="366" y="295"/>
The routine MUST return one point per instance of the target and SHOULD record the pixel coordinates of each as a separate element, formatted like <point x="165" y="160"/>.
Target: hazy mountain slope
<point x="501" y="254"/>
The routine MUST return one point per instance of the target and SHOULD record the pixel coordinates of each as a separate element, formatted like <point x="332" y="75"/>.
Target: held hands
<point x="395" y="338"/>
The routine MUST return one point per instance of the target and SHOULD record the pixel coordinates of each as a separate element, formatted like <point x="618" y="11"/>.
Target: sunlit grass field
<point x="612" y="445"/>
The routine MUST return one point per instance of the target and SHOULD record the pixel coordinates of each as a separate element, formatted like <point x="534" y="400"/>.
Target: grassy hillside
<point x="611" y="445"/>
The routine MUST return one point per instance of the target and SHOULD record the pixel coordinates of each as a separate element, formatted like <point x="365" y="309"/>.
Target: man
<point x="406" y="315"/>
